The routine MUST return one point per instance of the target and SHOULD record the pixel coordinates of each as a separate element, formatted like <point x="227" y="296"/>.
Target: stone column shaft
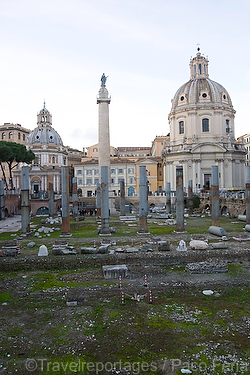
<point x="190" y="197"/>
<point x="215" y="196"/>
<point x="168" y="198"/>
<point x="75" y="197"/>
<point x="98" y="199"/>
<point x="25" y="203"/>
<point x="51" y="199"/>
<point x="65" y="201"/>
<point x="122" y="198"/>
<point x="104" y="201"/>
<point x="248" y="194"/>
<point x="2" y="214"/>
<point x="179" y="200"/>
<point x="143" y="203"/>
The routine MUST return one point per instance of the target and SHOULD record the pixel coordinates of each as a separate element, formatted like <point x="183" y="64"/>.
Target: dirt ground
<point x="58" y="314"/>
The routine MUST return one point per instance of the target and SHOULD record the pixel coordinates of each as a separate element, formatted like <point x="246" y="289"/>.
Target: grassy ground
<point x="182" y="328"/>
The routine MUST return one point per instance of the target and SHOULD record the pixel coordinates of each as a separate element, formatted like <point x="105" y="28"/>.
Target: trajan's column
<point x="103" y="99"/>
<point x="107" y="204"/>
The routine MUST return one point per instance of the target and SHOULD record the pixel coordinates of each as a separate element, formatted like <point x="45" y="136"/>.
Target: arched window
<point x="10" y="135"/>
<point x="205" y="125"/>
<point x="227" y="127"/>
<point x="3" y="135"/>
<point x="181" y="127"/>
<point x="23" y="137"/>
<point x="19" y="135"/>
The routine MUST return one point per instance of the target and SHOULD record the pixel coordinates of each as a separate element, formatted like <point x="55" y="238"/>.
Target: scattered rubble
<point x="209" y="266"/>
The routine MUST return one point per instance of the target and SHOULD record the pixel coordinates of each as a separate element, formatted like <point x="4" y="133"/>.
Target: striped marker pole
<point x="123" y="298"/>
<point x="145" y="281"/>
<point x="150" y="296"/>
<point x="120" y="281"/>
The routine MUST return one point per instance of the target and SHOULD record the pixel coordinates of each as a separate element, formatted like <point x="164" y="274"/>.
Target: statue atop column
<point x="103" y="79"/>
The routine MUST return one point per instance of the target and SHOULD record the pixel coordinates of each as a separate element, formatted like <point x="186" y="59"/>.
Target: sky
<point x="57" y="50"/>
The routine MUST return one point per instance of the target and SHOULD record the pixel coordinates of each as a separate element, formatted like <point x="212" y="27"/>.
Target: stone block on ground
<point x="103" y="249"/>
<point x="89" y="250"/>
<point x="219" y="245"/>
<point x="163" y="246"/>
<point x="131" y="250"/>
<point x="198" y="245"/>
<point x="182" y="246"/>
<point x="11" y="248"/>
<point x="114" y="271"/>
<point x="43" y="251"/>
<point x="217" y="231"/>
<point x="146" y="247"/>
<point x="31" y="244"/>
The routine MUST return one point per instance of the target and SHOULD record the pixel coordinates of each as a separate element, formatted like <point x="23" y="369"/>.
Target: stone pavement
<point x="10" y="224"/>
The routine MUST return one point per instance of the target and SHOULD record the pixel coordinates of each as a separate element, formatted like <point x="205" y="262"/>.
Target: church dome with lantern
<point x="202" y="133"/>
<point x="44" y="133"/>
<point x="200" y="91"/>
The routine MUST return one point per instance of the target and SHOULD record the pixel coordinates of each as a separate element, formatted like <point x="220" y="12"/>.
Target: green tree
<point x="12" y="154"/>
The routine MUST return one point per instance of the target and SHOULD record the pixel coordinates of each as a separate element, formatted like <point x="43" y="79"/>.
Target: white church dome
<point x="44" y="133"/>
<point x="200" y="91"/>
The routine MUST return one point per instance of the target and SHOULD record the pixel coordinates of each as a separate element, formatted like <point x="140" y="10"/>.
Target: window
<point x="205" y="125"/>
<point x="3" y="135"/>
<point x="112" y="181"/>
<point x="120" y="180"/>
<point x="10" y="135"/>
<point x="130" y="180"/>
<point x="131" y="170"/>
<point x="18" y="135"/>
<point x="89" y="181"/>
<point x="194" y="71"/>
<point x="89" y="172"/>
<point x="96" y="181"/>
<point x="181" y="127"/>
<point x="227" y="126"/>
<point x="23" y="137"/>
<point x="95" y="149"/>
<point x="113" y="171"/>
<point x="78" y="172"/>
<point x="120" y="171"/>
<point x="96" y="171"/>
<point x="79" y="181"/>
<point x="199" y="68"/>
